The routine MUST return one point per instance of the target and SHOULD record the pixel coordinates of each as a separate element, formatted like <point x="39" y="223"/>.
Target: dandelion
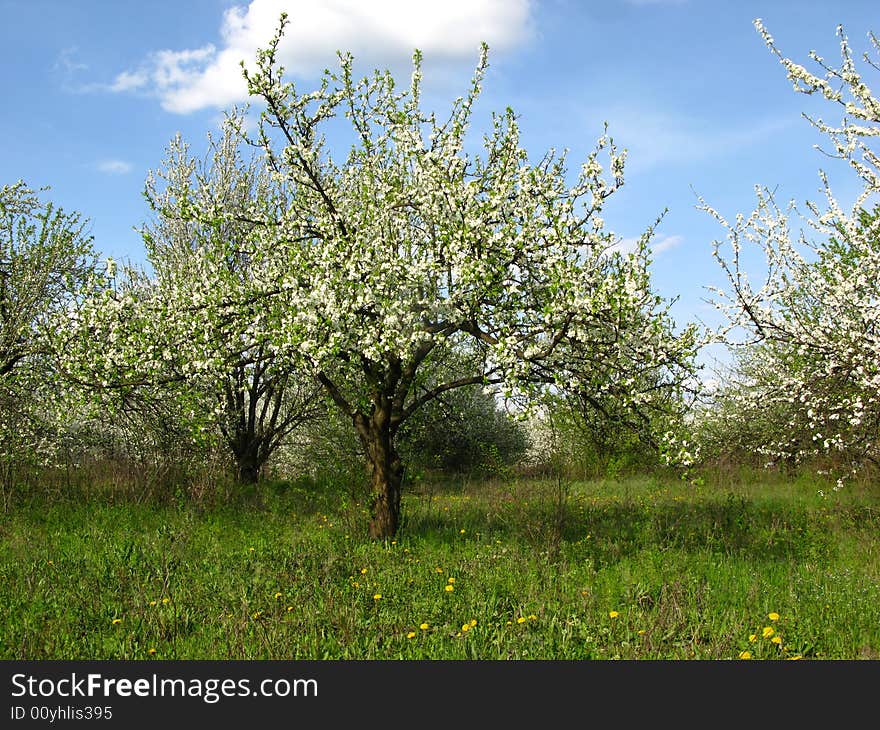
<point x="151" y="651"/>
<point x="776" y="640"/>
<point x="166" y="600"/>
<point x="289" y="608"/>
<point x="278" y="595"/>
<point x="641" y="632"/>
<point x="795" y="657"/>
<point x="424" y="626"/>
<point x="613" y="614"/>
<point x="450" y="580"/>
<point x="461" y="532"/>
<point x="768" y="632"/>
<point x="257" y="615"/>
<point x="411" y="635"/>
<point x="473" y="622"/>
<point x="465" y="627"/>
<point x="773" y="616"/>
<point x="377" y="596"/>
<point x="152" y="603"/>
<point x="753" y="637"/>
<point x="532" y="617"/>
<point x="116" y="621"/>
<point x="449" y="587"/>
<point x="438" y="570"/>
<point x="745" y="655"/>
<point x="521" y="620"/>
<point x="363" y="571"/>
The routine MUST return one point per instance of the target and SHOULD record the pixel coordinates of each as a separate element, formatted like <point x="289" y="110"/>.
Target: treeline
<point x="397" y="302"/>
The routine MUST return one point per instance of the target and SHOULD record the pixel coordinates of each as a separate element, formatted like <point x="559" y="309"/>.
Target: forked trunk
<point x="247" y="461"/>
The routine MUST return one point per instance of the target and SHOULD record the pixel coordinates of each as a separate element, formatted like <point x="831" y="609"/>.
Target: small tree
<point x="258" y="394"/>
<point x="463" y="431"/>
<point x="155" y="345"/>
<point x="815" y="316"/>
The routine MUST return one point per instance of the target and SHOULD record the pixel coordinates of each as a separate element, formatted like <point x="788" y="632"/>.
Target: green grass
<point x="287" y="573"/>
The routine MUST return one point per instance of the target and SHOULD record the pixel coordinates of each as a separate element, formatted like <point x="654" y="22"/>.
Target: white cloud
<point x="128" y="81"/>
<point x="655" y="138"/>
<point x="666" y="243"/>
<point x="66" y="61"/>
<point x="658" y="246"/>
<point x="113" y="167"/>
<point x="382" y="32"/>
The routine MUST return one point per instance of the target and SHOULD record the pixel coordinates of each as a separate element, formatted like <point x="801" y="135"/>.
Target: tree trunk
<point x="386" y="482"/>
<point x="386" y="475"/>
<point x="248" y="472"/>
<point x="247" y="464"/>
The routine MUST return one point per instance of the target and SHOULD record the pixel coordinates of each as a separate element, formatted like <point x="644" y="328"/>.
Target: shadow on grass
<point x="758" y="530"/>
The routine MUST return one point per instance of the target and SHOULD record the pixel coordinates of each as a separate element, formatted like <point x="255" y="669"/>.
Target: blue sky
<point x="93" y="91"/>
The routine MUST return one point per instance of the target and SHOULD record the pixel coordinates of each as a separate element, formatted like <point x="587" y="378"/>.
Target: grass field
<point x="636" y="568"/>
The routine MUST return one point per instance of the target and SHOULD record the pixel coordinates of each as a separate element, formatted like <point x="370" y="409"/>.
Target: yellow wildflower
<point x="116" y="621"/>
<point x="377" y="596"/>
<point x="613" y="614"/>
<point x="745" y="655"/>
<point x="767" y="632"/>
<point x="424" y="626"/>
<point x="449" y="587"/>
<point x="521" y="620"/>
<point x="776" y="640"/>
<point x="753" y="637"/>
<point x="411" y="634"/>
<point x="773" y="616"/>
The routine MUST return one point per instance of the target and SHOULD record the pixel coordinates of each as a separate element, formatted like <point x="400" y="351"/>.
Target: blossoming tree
<point x="47" y="263"/>
<point x="815" y="315"/>
<point x="410" y="247"/>
<point x="372" y="268"/>
<point x="258" y="396"/>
